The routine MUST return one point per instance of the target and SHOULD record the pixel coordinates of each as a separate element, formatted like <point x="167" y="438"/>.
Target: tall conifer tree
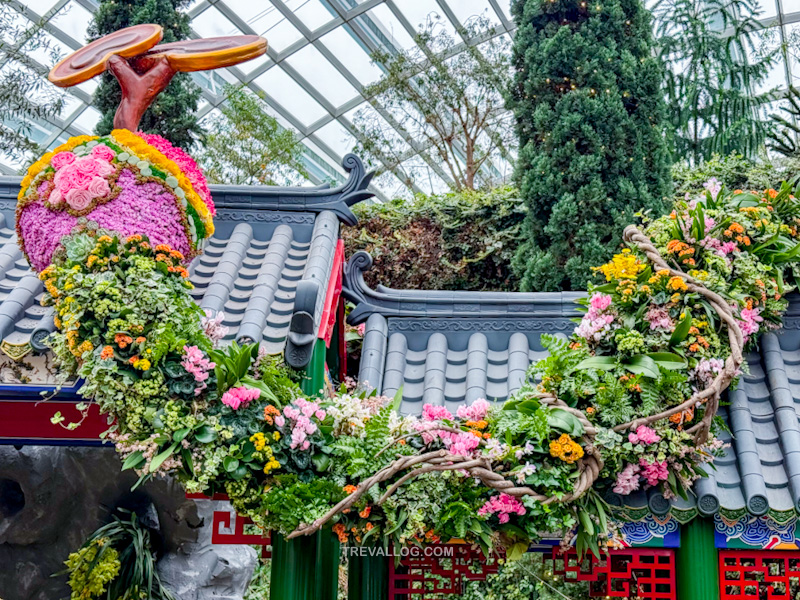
<point x="172" y="114"/>
<point x="589" y="112"/>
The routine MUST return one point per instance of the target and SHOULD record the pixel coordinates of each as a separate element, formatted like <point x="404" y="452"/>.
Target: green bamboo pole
<point x="293" y="565"/>
<point x="307" y="567"/>
<point x="368" y="578"/>
<point x="697" y="562"/>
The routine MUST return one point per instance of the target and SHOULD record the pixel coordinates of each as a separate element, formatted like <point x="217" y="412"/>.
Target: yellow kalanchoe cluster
<point x="142" y="149"/>
<point x="566" y="449"/>
<point x="624" y="265"/>
<point x="260" y="442"/>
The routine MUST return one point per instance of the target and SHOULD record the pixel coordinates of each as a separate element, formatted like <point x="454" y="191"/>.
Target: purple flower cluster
<point x="659" y="319"/>
<point x="147" y="209"/>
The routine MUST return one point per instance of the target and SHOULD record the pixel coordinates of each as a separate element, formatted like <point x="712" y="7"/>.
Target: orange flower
<point x="349" y="489"/>
<point x="365" y="513"/>
<point x="134" y="238"/>
<point x="771" y="193"/>
<point x="134" y="359"/>
<point x="590" y="410"/>
<point x="340" y="532"/>
<point x="694" y="348"/>
<point x="108" y="352"/>
<point x="369" y="526"/>
<point x="163" y="248"/>
<point x="123" y="340"/>
<point x="141" y="339"/>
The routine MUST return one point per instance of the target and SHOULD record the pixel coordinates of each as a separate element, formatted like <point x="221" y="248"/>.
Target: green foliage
<point x="783" y="138"/>
<point x="247" y="146"/>
<point x="25" y="96"/>
<point x="117" y="561"/>
<point x="733" y="171"/>
<point x="590" y="120"/>
<point x="452" y="241"/>
<point x="449" y="105"/>
<point x="713" y="48"/>
<point x="172" y="113"/>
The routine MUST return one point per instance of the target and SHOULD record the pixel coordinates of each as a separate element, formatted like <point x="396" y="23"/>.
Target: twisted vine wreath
<point x="591" y="464"/>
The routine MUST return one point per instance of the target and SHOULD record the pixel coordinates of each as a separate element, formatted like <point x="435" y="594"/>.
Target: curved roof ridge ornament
<point x="391" y="302"/>
<point x="338" y="200"/>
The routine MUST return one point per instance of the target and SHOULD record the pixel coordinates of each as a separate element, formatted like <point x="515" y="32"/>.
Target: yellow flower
<point x="676" y="284"/>
<point x="566" y="449"/>
<point x="624" y="265"/>
<point x="276" y="436"/>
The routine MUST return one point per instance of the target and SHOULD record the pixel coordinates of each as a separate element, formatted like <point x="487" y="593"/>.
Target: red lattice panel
<point x="434" y="570"/>
<point x="759" y="575"/>
<point x="634" y="573"/>
<point x="235" y="525"/>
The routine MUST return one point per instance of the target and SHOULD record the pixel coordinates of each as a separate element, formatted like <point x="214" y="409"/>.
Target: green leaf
<point x="160" y="458"/>
<point x="322" y="462"/>
<point x="205" y="435"/>
<point x="180" y="434"/>
<point x="642" y="365"/>
<point x="605" y="363"/>
<point x="564" y="421"/>
<point x="230" y="464"/>
<point x="133" y="461"/>
<point x="681" y="331"/>
<point x="516" y="551"/>
<point x="398" y="399"/>
<point x="668" y="360"/>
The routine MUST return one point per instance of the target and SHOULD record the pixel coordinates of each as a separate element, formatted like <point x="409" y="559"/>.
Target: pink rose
<point x="103" y="152"/>
<point x="55" y="198"/>
<point x="93" y="166"/>
<point x="69" y="178"/>
<point x="79" y="199"/>
<point x="62" y="159"/>
<point x="99" y="188"/>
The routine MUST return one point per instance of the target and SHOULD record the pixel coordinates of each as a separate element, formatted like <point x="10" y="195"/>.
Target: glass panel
<point x="317" y="70"/>
<point x="212" y="23"/>
<point x="73" y="21"/>
<point x="768" y="9"/>
<point x="384" y="30"/>
<point x="87" y="120"/>
<point x="419" y="12"/>
<point x="343" y="43"/>
<point x="312" y="13"/>
<point x="289" y="95"/>
<point x="467" y="10"/>
<point x="336" y="137"/>
<point x="790" y="6"/>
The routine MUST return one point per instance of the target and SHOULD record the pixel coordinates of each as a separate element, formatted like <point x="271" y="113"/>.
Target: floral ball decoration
<point x="130" y="183"/>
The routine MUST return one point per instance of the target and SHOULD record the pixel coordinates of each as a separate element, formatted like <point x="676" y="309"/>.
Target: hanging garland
<point x="628" y="402"/>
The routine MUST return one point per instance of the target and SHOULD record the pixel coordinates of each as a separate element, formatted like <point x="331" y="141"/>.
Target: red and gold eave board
<point x="26" y="417"/>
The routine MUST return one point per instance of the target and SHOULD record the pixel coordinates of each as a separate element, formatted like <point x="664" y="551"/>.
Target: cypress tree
<point x="590" y="119"/>
<point x="172" y="114"/>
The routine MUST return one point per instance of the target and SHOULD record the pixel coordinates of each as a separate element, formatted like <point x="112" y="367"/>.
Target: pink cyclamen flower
<point x="750" y="318"/>
<point x="213" y="327"/>
<point x="435" y="413"/>
<point x="240" y="397"/>
<point x="474" y="412"/>
<point x="598" y="320"/>
<point x="503" y="506"/>
<point x="654" y="472"/>
<point x="627" y="480"/>
<point x="196" y="363"/>
<point x="644" y="435"/>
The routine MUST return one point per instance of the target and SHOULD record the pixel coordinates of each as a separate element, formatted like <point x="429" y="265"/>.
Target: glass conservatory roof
<point x="317" y="66"/>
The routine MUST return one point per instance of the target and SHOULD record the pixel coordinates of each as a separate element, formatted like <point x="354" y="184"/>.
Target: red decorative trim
<point x="759" y="575"/>
<point x="224" y="519"/>
<point x="30" y="421"/>
<point x="643" y="573"/>
<point x="427" y="572"/>
<point x="329" y="310"/>
<point x="342" y="342"/>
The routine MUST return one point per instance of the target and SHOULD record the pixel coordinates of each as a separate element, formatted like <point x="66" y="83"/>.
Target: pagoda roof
<point x="269" y="242"/>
